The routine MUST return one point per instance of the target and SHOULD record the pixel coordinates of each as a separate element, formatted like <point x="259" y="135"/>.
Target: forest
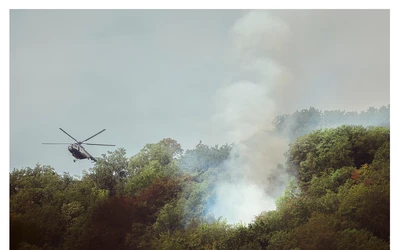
<point x="337" y="193"/>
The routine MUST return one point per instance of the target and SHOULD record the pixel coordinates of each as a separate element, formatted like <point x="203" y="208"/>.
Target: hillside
<point x="337" y="196"/>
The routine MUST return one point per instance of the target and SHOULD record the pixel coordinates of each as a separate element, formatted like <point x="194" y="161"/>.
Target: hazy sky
<point x="215" y="76"/>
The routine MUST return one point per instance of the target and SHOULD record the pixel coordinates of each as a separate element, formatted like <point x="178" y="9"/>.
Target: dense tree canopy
<point x="338" y="196"/>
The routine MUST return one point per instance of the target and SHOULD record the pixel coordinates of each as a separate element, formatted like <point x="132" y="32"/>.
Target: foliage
<point x="111" y="171"/>
<point x="160" y="198"/>
<point x="154" y="161"/>
<point x="359" y="240"/>
<point x="324" y="151"/>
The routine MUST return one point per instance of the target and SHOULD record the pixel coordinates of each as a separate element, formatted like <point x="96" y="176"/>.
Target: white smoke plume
<point x="245" y="110"/>
<point x="286" y="61"/>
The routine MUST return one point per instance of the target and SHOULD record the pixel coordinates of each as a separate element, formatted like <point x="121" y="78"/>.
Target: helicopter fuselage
<point x="79" y="152"/>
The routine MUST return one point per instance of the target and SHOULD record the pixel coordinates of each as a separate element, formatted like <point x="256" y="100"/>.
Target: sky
<point x="213" y="75"/>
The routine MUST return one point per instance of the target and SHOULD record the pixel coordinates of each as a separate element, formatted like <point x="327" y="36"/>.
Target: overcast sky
<point x="215" y="76"/>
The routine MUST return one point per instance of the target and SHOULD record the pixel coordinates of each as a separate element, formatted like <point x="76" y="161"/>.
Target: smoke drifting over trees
<point x="281" y="172"/>
<point x="164" y="196"/>
<point x="263" y="46"/>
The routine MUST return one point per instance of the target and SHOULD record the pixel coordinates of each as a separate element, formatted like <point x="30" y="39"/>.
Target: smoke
<point x="285" y="61"/>
<point x="244" y="112"/>
<point x="247" y="104"/>
<point x="252" y="179"/>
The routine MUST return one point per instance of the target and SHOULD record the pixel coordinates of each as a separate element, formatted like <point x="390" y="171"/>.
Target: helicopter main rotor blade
<point x="97" y="144"/>
<point x="57" y="143"/>
<point x="93" y="136"/>
<point x="68" y="135"/>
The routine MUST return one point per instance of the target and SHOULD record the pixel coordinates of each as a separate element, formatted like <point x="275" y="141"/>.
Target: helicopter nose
<point x="70" y="148"/>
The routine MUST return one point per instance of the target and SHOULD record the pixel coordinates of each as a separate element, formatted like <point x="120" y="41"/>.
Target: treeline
<point x="160" y="199"/>
<point x="306" y="120"/>
<point x="119" y="204"/>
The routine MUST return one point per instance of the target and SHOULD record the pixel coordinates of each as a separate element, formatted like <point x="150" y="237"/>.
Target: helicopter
<point x="77" y="150"/>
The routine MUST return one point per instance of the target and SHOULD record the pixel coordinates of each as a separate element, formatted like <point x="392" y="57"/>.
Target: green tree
<point x="353" y="239"/>
<point x="368" y="207"/>
<point x="153" y="161"/>
<point x="318" y="233"/>
<point x="111" y="171"/>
